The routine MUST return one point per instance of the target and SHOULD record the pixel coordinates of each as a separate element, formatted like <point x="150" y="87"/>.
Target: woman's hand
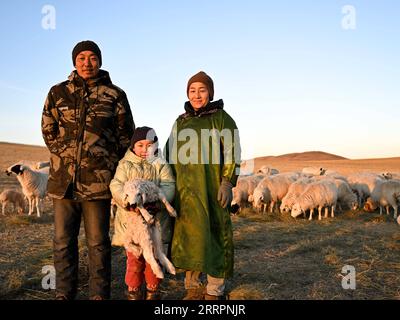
<point x="225" y="193"/>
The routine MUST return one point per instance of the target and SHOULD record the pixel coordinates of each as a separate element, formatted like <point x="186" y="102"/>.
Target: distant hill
<point x="304" y="156"/>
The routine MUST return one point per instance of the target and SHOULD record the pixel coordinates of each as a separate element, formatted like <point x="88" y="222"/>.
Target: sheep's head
<point x="133" y="195"/>
<point x="387" y="175"/>
<point x="284" y="208"/>
<point x="296" y="210"/>
<point x="17" y="169"/>
<point x="258" y="198"/>
<point x="370" y="205"/>
<point x="354" y="205"/>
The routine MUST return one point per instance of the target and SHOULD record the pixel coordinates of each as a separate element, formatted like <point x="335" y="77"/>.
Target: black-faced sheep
<point x="33" y="183"/>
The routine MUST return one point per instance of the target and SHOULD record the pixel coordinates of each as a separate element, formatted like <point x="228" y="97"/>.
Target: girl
<point x="141" y="161"/>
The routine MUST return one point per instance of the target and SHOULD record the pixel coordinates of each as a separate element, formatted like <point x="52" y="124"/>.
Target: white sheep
<point x="271" y="190"/>
<point x="346" y="196"/>
<point x="143" y="233"/>
<point x="390" y="175"/>
<point x="363" y="183"/>
<point x="244" y="189"/>
<point x="265" y="170"/>
<point x="386" y="194"/>
<point x="14" y="197"/>
<point x="315" y="171"/>
<point x="318" y="195"/>
<point x="294" y="191"/>
<point x="33" y="183"/>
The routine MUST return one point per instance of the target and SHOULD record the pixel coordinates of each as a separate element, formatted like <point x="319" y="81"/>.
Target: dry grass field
<point x="276" y="257"/>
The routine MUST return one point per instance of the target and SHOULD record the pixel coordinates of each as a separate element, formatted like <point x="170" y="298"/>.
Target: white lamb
<point x="143" y="233"/>
<point x="271" y="190"/>
<point x="386" y="194"/>
<point x="33" y="183"/>
<point x="14" y="197"/>
<point x="318" y="194"/>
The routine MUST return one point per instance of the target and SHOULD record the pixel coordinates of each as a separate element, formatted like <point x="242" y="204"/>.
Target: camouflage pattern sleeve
<point x="125" y="124"/>
<point x="50" y="130"/>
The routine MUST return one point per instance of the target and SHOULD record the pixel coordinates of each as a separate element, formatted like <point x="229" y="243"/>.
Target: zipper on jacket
<point x="79" y="138"/>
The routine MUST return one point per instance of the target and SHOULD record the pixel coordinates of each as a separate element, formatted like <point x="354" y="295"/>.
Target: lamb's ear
<point x="143" y="196"/>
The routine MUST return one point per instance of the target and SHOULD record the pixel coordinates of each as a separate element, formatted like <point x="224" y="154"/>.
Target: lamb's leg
<point x="319" y="213"/>
<point x="3" y="207"/>
<point x="167" y="205"/>
<point x="158" y="246"/>
<point x="333" y="211"/>
<point x="387" y="210"/>
<point x="149" y="257"/>
<point x="311" y="214"/>
<point x="146" y="215"/>
<point x="380" y="210"/>
<point x="326" y="212"/>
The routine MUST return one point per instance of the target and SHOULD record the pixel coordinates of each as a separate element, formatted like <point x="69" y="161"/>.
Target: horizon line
<point x="243" y="160"/>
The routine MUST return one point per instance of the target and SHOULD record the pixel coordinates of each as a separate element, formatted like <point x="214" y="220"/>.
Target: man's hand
<point x="225" y="193"/>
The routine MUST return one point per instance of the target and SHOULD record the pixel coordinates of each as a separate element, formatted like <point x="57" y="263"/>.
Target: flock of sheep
<point x="291" y="192"/>
<point x="317" y="189"/>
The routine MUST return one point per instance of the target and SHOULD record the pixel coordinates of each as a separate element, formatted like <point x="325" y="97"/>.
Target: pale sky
<point x="295" y="75"/>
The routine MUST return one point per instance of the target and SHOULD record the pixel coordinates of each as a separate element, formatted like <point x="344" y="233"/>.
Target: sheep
<point x="318" y="194"/>
<point x="33" y="183"/>
<point x="390" y="175"/>
<point x="244" y="189"/>
<point x="12" y="197"/>
<point x="271" y="190"/>
<point x="143" y="233"/>
<point x="294" y="191"/>
<point x="265" y="170"/>
<point x="346" y="196"/>
<point x="315" y="171"/>
<point x="386" y="194"/>
<point x="363" y="184"/>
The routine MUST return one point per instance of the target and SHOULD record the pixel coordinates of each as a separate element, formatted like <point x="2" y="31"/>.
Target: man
<point x="87" y="125"/>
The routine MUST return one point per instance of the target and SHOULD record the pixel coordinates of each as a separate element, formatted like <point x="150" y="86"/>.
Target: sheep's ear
<point x="143" y="196"/>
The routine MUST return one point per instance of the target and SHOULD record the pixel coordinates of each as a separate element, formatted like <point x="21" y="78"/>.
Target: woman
<point x="206" y="167"/>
